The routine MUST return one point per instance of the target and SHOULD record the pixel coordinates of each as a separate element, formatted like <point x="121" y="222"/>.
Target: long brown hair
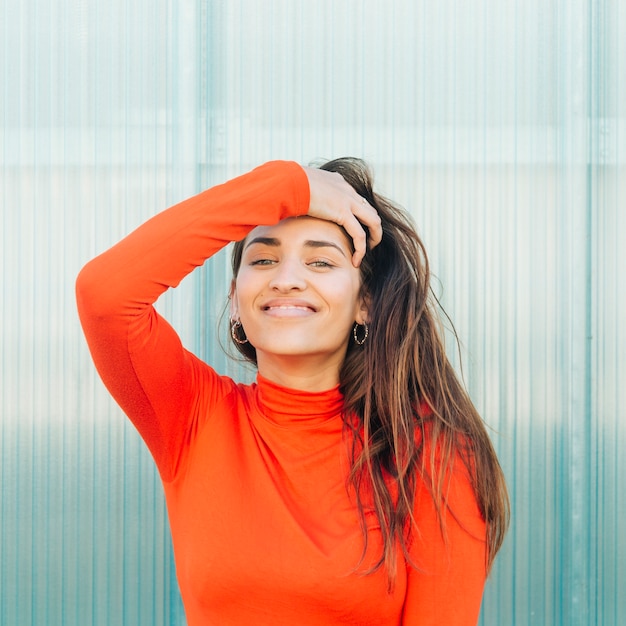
<point x="401" y="394"/>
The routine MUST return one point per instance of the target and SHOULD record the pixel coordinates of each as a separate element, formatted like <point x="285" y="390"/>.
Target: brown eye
<point x="320" y="263"/>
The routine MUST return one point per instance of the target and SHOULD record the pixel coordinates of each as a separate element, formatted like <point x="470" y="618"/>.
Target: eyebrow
<point x="266" y="241"/>
<point x="309" y="243"/>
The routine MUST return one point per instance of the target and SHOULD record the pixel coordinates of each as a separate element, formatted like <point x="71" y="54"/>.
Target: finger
<point x="368" y="216"/>
<point x="362" y="215"/>
<point x="357" y="233"/>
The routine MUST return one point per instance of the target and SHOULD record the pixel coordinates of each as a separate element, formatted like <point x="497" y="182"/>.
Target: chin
<point x="304" y="348"/>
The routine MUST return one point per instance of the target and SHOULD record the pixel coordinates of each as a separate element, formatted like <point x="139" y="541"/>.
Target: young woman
<point x="354" y="482"/>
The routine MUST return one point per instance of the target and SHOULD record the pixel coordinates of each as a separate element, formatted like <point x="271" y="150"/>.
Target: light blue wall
<point x="501" y="125"/>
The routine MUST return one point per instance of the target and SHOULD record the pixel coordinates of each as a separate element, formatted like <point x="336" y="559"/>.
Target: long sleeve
<point x="136" y="352"/>
<point x="446" y="588"/>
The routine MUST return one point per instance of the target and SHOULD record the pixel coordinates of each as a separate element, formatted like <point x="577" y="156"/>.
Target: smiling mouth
<point x="288" y="307"/>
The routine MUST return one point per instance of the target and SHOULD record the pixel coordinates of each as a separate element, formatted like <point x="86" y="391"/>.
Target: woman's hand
<point x="334" y="200"/>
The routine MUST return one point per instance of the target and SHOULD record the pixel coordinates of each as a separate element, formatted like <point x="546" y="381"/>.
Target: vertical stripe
<point x="499" y="125"/>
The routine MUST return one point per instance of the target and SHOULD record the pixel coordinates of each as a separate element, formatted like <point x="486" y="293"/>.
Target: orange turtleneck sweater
<point x="263" y="527"/>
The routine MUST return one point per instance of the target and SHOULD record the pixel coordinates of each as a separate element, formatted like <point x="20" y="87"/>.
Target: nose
<point x="287" y="276"/>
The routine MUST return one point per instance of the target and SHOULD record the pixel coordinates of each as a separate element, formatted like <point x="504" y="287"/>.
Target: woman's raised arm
<point x="138" y="355"/>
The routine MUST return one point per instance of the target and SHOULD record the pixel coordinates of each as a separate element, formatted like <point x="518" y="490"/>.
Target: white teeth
<point x="289" y="307"/>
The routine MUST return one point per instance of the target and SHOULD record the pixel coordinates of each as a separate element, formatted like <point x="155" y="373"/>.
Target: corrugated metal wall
<point x="500" y="125"/>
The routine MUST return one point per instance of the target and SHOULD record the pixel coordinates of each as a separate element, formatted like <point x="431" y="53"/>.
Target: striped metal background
<point x="501" y="125"/>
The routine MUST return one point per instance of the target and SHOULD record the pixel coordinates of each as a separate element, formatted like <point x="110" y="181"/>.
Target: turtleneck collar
<point x="294" y="407"/>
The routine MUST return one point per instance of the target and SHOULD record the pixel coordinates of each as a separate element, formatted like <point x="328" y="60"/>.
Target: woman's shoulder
<point x="213" y="387"/>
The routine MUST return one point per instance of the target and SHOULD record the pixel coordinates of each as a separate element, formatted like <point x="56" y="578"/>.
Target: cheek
<point x="245" y="290"/>
<point x="347" y="298"/>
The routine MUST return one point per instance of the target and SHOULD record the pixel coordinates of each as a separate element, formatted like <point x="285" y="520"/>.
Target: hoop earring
<point x="235" y="325"/>
<point x="355" y="334"/>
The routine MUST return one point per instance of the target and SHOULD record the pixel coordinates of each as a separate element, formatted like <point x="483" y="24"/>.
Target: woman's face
<point x="297" y="294"/>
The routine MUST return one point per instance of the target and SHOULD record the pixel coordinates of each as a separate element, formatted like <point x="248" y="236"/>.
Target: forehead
<point x="297" y="230"/>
